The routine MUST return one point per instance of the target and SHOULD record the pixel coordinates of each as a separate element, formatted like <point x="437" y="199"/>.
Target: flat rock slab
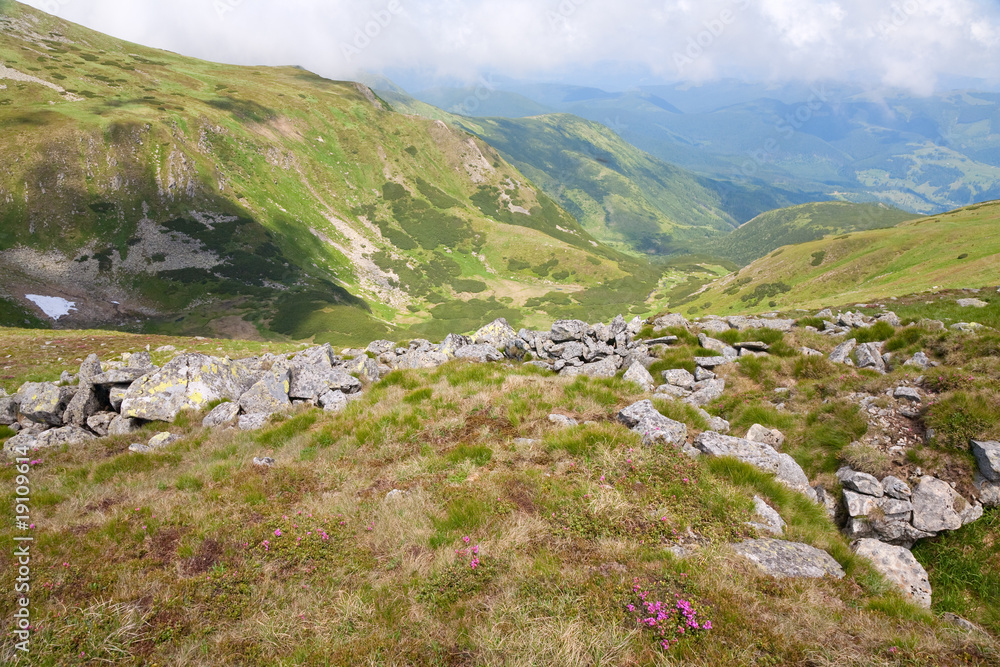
<point x="713" y="362"/>
<point x="782" y="559"/>
<point x="480" y="353"/>
<point x="758" y="455"/>
<point x="899" y="566"/>
<point x="972" y="303"/>
<point x="646" y="420"/>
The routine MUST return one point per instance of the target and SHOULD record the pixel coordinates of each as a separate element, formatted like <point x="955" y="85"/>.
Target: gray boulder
<point x="43" y="402"/>
<point x="987" y="453"/>
<point x="322" y="355"/>
<point x="162" y="440"/>
<point x="669" y="390"/>
<point x="224" y="414"/>
<point x="637" y="374"/>
<point x="268" y="395"/>
<point x="478" y="353"/>
<point x="770" y="520"/>
<point x="116" y="394"/>
<point x="643" y="418"/>
<point x="782" y="559"/>
<point x="769" y="436"/>
<point x="418" y="359"/>
<point x="89" y="369"/>
<point x="496" y="333"/>
<point x="605" y="368"/>
<point x="899" y="566"/>
<point x="706" y="392"/>
<point x="186" y="382"/>
<point x="907" y="394"/>
<point x="562" y="421"/>
<point x="124" y="375"/>
<point x="713" y="362"/>
<point x="309" y="382"/>
<point x="896" y="488"/>
<point x="65" y="435"/>
<point x="989" y="492"/>
<point x="809" y="352"/>
<point x="972" y="303"/>
<point x="670" y="320"/>
<point x="936" y="506"/>
<point x="380" y="347"/>
<point x="759" y="455"/>
<point x="860" y="482"/>
<point x="858" y="504"/>
<point x="252" y="422"/>
<point x="86" y="402"/>
<point x="21" y="443"/>
<point x="679" y="377"/>
<point x="452" y="343"/>
<point x="919" y="360"/>
<point x="717" y="346"/>
<point x="842" y="353"/>
<point x="8" y="409"/>
<point x="702" y="374"/>
<point x="333" y="401"/>
<point x="869" y="355"/>
<point x="569" y="350"/>
<point x="124" y="425"/>
<point x="100" y="422"/>
<point x="742" y="323"/>
<point x="363" y="367"/>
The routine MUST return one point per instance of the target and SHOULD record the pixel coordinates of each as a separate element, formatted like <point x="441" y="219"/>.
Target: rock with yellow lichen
<point x="190" y="381"/>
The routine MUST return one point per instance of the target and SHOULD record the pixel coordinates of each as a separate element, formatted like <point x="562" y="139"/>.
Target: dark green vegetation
<point x="799" y="224"/>
<point x="253" y="201"/>
<point x="498" y="550"/>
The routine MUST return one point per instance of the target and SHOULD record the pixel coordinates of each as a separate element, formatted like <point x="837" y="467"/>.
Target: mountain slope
<point x="620" y="194"/>
<point x="799" y="224"/>
<point x="960" y="249"/>
<point x="145" y="185"/>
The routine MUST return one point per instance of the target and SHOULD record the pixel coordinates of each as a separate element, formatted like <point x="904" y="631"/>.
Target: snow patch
<point x="53" y="306"/>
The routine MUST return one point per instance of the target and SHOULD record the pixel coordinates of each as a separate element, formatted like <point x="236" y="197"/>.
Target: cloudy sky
<point x="917" y="44"/>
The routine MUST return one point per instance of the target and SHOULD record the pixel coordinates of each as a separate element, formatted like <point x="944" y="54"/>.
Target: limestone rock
<point x="124" y="425"/>
<point x="100" y="422"/>
<point x="252" y="422"/>
<point x="638" y="374"/>
<point x="759" y="455"/>
<point x="869" y="355"/>
<point x="936" y="506"/>
<point x="896" y="488"/>
<point x="478" y="353"/>
<point x="562" y="421"/>
<point x="645" y="420"/>
<point x="496" y="333"/>
<point x="919" y="360"/>
<point x="671" y="320"/>
<point x="310" y="382"/>
<point x="86" y="402"/>
<point x="186" y="382"/>
<point x="907" y="394"/>
<point x="162" y="440"/>
<point x="224" y="414"/>
<point x="268" y="395"/>
<point x="782" y="559"/>
<point x="706" y="392"/>
<point x="679" y="377"/>
<point x="842" y="353"/>
<point x="65" y="435"/>
<point x="333" y="401"/>
<point x="860" y="482"/>
<point x="987" y="453"/>
<point x="899" y="566"/>
<point x="769" y="436"/>
<point x="770" y="521"/>
<point x="42" y="402"/>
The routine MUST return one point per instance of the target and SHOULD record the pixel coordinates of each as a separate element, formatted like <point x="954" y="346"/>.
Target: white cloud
<point x="902" y="42"/>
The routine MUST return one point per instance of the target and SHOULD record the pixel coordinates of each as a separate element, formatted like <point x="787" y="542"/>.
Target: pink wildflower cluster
<point x="669" y="621"/>
<point x="469" y="552"/>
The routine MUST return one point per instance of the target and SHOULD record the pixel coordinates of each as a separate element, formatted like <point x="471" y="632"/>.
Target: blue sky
<point x="915" y="44"/>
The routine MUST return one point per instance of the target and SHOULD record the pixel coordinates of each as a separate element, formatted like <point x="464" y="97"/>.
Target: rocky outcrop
<point x="189" y="381"/>
<point x="759" y="455"/>
<point x="646" y="420"/>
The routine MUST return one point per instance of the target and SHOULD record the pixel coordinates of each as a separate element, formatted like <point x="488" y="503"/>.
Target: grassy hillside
<point x="798" y="224"/>
<point x="150" y="187"/>
<point x="959" y="249"/>
<point x="192" y="555"/>
<point x="620" y="194"/>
